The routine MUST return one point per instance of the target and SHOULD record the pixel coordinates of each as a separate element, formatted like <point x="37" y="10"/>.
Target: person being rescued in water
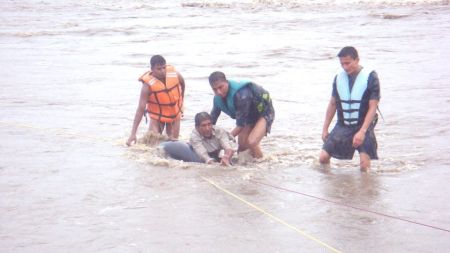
<point x="355" y="98"/>
<point x="249" y="104"/>
<point x="205" y="145"/>
<point x="161" y="96"/>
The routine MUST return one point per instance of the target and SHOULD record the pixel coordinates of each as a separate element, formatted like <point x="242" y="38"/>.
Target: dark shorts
<point x="263" y="108"/>
<point x="340" y="140"/>
<point x="180" y="150"/>
<point x="269" y="115"/>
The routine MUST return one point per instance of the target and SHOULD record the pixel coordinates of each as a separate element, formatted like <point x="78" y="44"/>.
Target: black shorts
<point x="262" y="106"/>
<point x="269" y="115"/>
<point x="340" y="142"/>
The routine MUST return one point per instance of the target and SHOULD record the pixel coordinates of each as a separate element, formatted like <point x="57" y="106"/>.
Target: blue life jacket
<point x="352" y="105"/>
<point x="233" y="87"/>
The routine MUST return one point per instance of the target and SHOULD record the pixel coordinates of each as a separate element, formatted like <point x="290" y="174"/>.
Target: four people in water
<point x="355" y="97"/>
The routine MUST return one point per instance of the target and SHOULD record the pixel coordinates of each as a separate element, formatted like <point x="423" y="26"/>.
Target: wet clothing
<point x="209" y="148"/>
<point x="200" y="149"/>
<point x="351" y="103"/>
<point x="165" y="100"/>
<point x="250" y="102"/>
<point x="181" y="150"/>
<point x="227" y="105"/>
<point x="339" y="142"/>
<point x="372" y="91"/>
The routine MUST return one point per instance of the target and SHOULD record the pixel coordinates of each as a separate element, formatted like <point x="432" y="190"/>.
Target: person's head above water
<point x="158" y="67"/>
<point x="219" y="83"/>
<point x="203" y="124"/>
<point x="348" y="56"/>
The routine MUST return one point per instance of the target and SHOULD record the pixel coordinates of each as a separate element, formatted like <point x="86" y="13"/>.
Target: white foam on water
<point x="300" y="3"/>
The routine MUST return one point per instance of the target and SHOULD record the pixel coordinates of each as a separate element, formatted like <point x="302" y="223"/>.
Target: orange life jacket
<point x="165" y="100"/>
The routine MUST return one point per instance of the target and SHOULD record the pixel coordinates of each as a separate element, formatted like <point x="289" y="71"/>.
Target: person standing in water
<point x="161" y="96"/>
<point x="355" y="98"/>
<point x="249" y="104"/>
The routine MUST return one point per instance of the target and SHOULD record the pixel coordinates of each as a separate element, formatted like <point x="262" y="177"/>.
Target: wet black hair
<point x="200" y="117"/>
<point x="348" y="51"/>
<point x="157" y="60"/>
<point x="216" y="76"/>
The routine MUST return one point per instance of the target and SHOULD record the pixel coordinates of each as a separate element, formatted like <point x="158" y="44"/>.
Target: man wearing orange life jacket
<point x="162" y="95"/>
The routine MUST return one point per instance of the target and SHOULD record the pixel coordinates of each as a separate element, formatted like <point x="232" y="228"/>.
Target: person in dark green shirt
<point x="249" y="104"/>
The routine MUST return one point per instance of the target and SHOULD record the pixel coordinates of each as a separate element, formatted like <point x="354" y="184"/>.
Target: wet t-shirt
<point x="209" y="148"/>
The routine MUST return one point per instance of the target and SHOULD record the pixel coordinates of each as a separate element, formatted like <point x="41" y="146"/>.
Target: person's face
<point x="220" y="88"/>
<point x="205" y="128"/>
<point x="350" y="65"/>
<point x="159" y="71"/>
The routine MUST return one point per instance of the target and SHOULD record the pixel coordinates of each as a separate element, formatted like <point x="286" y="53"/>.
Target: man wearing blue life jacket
<point x="249" y="104"/>
<point x="355" y="98"/>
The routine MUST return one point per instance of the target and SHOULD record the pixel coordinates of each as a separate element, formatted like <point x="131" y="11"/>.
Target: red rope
<point x="357" y="208"/>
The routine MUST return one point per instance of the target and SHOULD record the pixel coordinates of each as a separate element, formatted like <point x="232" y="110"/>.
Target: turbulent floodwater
<point x="69" y="90"/>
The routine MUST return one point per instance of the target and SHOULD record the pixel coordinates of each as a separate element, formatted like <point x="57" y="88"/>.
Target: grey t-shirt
<point x="208" y="147"/>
